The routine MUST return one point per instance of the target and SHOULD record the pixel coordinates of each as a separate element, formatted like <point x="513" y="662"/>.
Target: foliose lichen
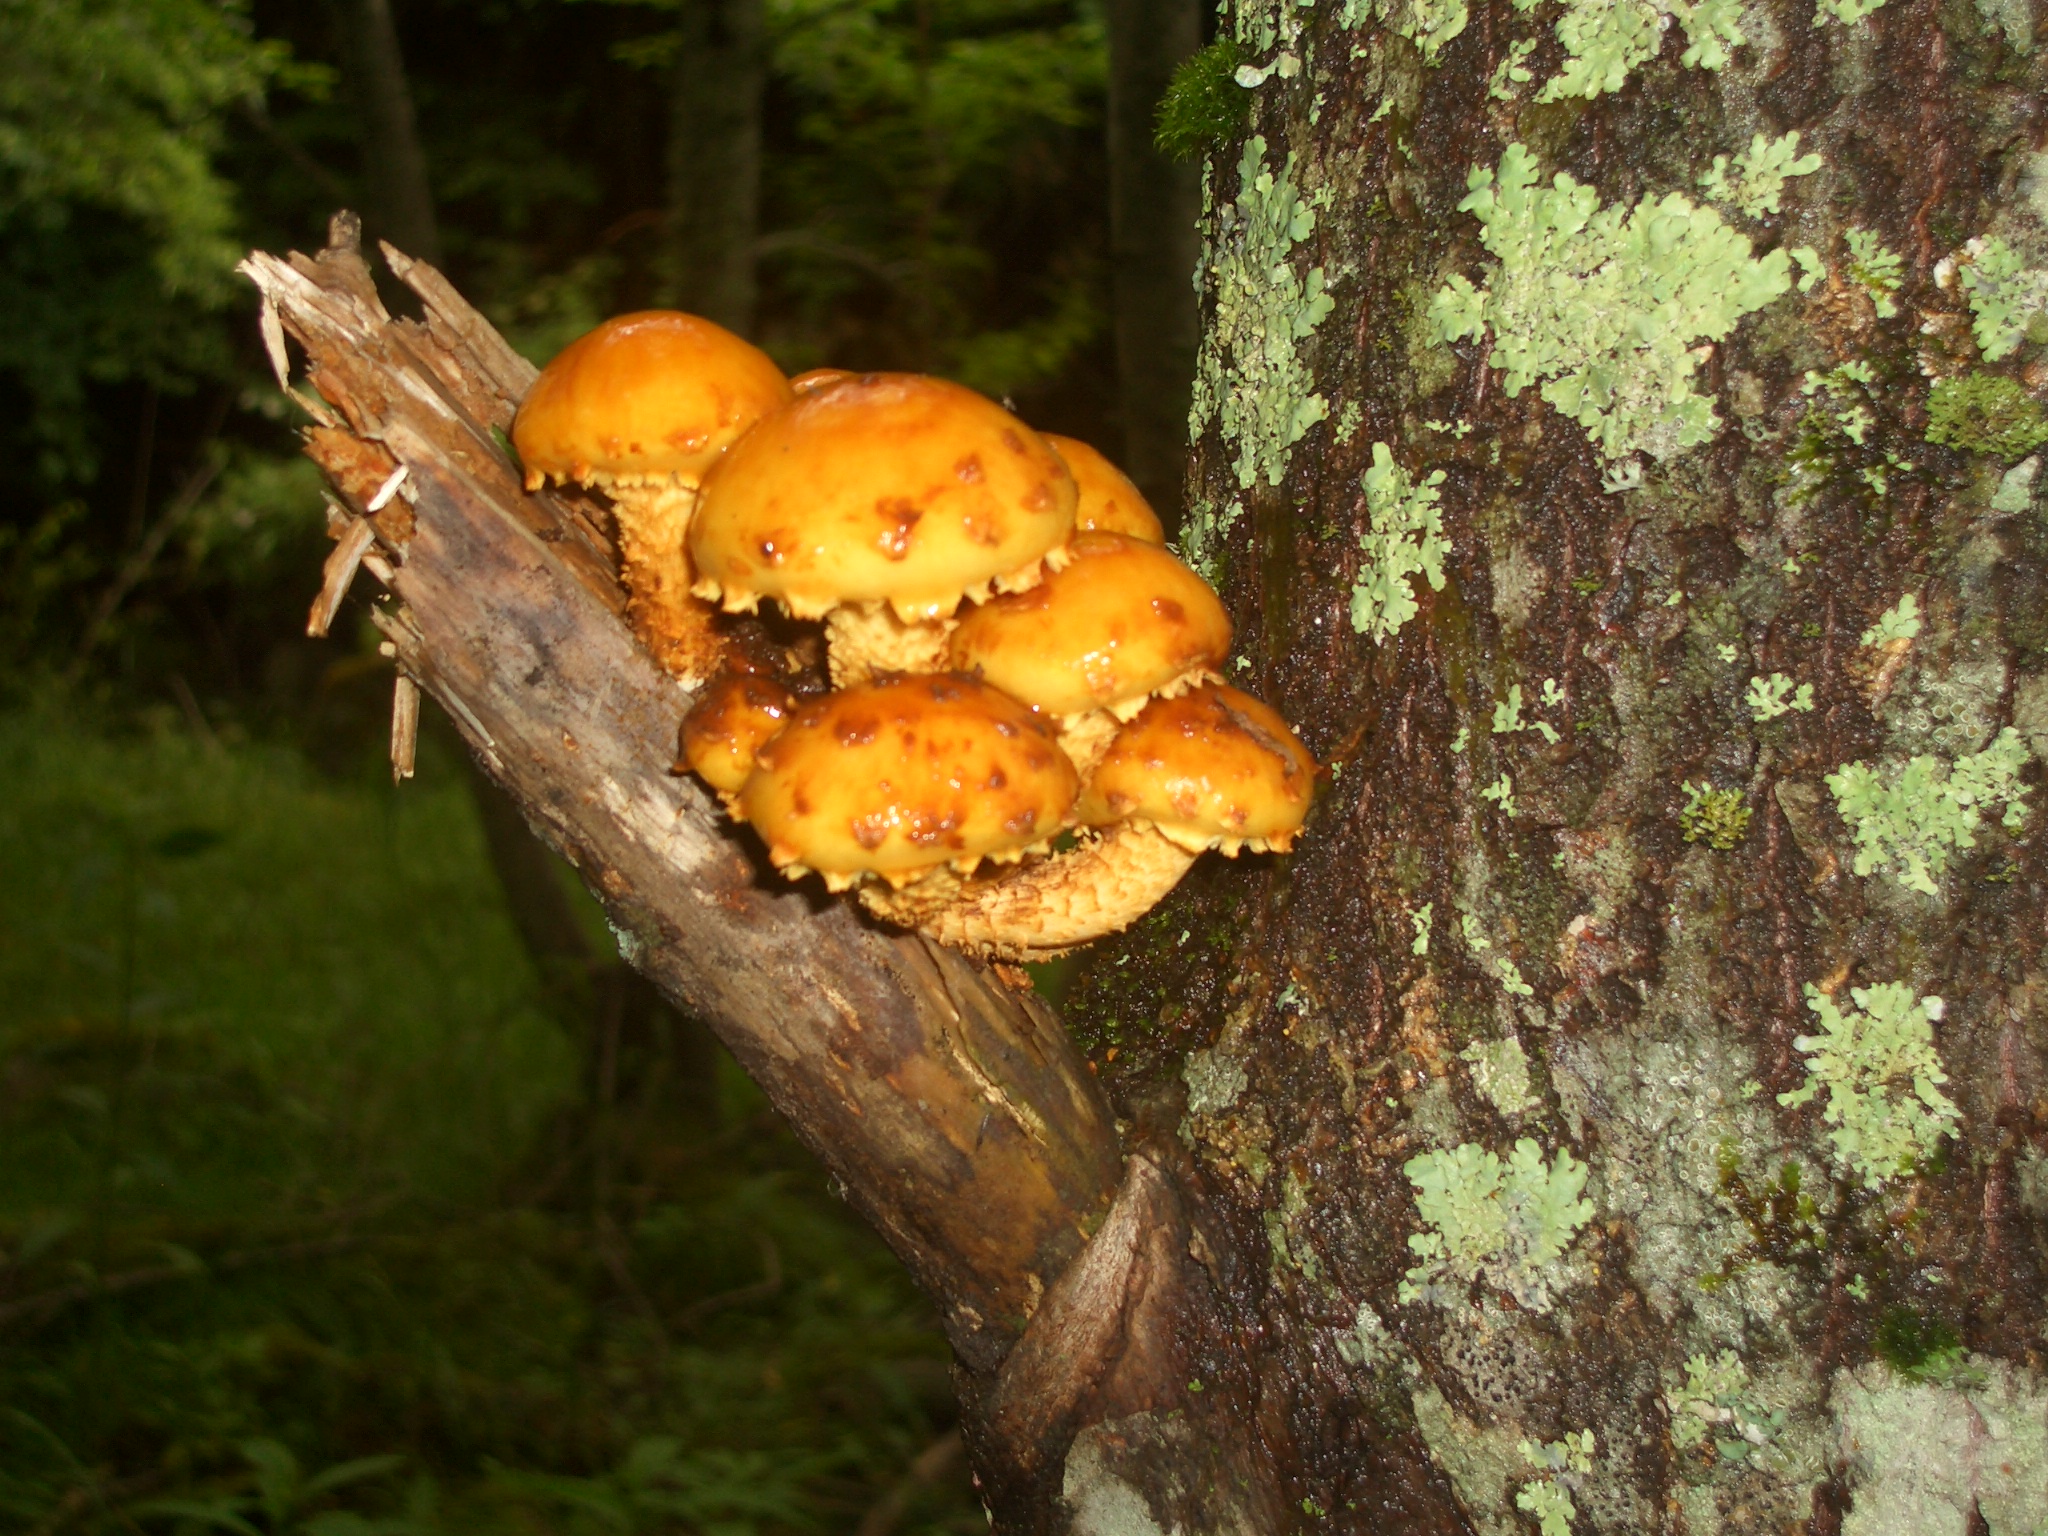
<point x="1504" y="1223"/>
<point x="1901" y="621"/>
<point x="1507" y="717"/>
<point x="1606" y="306"/>
<point x="1428" y="24"/>
<point x="1848" y="12"/>
<point x="1500" y="1073"/>
<point x="1251" y="377"/>
<point x="1716" y="1401"/>
<point x="1907" y="823"/>
<point x="1406" y="539"/>
<point x="1606" y="39"/>
<point x="2006" y="295"/>
<point x="1546" y="1497"/>
<point x="1756" y="183"/>
<point x="1877" y="269"/>
<point x="1985" y="413"/>
<point x="1717" y="817"/>
<point x="1881" y="1075"/>
<point x="1770" y="697"/>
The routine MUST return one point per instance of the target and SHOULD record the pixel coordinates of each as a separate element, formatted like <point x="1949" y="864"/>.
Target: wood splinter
<point x="338" y="574"/>
<point x="405" y="727"/>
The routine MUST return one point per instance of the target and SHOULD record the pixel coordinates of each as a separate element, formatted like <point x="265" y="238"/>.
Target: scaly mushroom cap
<point x="1108" y="499"/>
<point x="649" y="396"/>
<point x="1213" y="768"/>
<point x="642" y="406"/>
<point x="898" y="776"/>
<point x="1120" y="619"/>
<point x="733" y="718"/>
<point x="887" y="487"/>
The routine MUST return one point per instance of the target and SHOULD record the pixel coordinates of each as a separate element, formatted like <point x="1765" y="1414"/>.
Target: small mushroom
<point x="1121" y="621"/>
<point x="880" y="502"/>
<point x="1212" y="768"/>
<point x="641" y="408"/>
<point x="1108" y="499"/>
<point x="904" y="776"/>
<point x="735" y="715"/>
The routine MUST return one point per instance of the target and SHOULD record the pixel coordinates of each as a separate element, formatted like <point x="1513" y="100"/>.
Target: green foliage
<point x="1985" y="413"/>
<point x="1406" y="539"/>
<point x="1907" y="823"/>
<point x="1881" y="1075"/>
<point x="1250" y="378"/>
<point x="1605" y="305"/>
<point x="279" y="1075"/>
<point x="1506" y="1224"/>
<point x="1757" y="184"/>
<point x="1717" y="817"/>
<point x="116" y="226"/>
<point x="2006" y="296"/>
<point x="1204" y="106"/>
<point x="1878" y="269"/>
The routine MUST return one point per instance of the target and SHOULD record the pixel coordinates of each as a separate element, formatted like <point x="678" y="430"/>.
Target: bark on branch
<point x="954" y="1111"/>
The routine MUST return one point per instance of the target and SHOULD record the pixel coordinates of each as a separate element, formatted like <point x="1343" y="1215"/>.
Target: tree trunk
<point x="401" y="197"/>
<point x="1153" y="204"/>
<point x="1561" y="1139"/>
<point x="714" y="161"/>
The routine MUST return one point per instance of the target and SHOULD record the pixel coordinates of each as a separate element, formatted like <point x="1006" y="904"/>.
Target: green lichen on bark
<point x="1606" y="306"/>
<point x="1876" y="1068"/>
<point x="1251" y="378"/>
<point x="1505" y="1223"/>
<point x="1405" y="539"/>
<point x="1907" y="823"/>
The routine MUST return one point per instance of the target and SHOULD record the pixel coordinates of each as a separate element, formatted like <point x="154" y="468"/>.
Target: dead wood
<point x="952" y="1109"/>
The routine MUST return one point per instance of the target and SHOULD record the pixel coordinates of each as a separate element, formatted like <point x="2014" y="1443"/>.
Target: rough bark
<point x="1153" y="203"/>
<point x="713" y="217"/>
<point x="1308" y="1038"/>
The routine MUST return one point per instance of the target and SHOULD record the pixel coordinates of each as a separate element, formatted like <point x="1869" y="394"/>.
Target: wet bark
<point x="1153" y="203"/>
<point x="1299" y="1028"/>
<point x="713" y="217"/>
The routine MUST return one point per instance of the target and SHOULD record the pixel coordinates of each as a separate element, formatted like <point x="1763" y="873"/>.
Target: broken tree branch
<point x="954" y="1112"/>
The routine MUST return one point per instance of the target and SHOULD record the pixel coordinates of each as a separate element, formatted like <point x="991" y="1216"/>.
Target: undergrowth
<point x="307" y="1223"/>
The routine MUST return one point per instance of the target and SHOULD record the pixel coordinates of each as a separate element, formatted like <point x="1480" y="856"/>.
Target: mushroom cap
<point x="1121" y="618"/>
<point x="887" y="487"/>
<point x="898" y="776"/>
<point x="817" y="378"/>
<point x="1108" y="498"/>
<point x="644" y="396"/>
<point x="733" y="718"/>
<point x="1213" y="768"/>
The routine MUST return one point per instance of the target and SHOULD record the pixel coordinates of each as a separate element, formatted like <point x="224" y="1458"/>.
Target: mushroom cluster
<point x="1025" y="741"/>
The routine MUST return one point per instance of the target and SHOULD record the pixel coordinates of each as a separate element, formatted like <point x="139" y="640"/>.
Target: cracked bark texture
<point x="1282" y="1021"/>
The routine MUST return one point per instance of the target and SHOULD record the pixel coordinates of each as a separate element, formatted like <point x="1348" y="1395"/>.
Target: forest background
<point x="347" y="1182"/>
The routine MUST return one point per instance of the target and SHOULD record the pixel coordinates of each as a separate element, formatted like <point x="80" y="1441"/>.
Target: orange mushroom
<point x="641" y="408"/>
<point x="880" y="502"/>
<point x="1108" y="499"/>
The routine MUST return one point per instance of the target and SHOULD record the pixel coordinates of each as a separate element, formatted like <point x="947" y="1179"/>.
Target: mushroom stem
<point x="1042" y="909"/>
<point x="864" y="640"/>
<point x="653" y="517"/>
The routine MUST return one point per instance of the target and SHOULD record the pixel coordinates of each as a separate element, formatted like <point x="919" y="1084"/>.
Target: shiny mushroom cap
<point x="1213" y="768"/>
<point x="901" y="775"/>
<point x="649" y="396"/>
<point x="1108" y="499"/>
<point x="1120" y="619"/>
<point x="733" y="718"/>
<point x="886" y="487"/>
